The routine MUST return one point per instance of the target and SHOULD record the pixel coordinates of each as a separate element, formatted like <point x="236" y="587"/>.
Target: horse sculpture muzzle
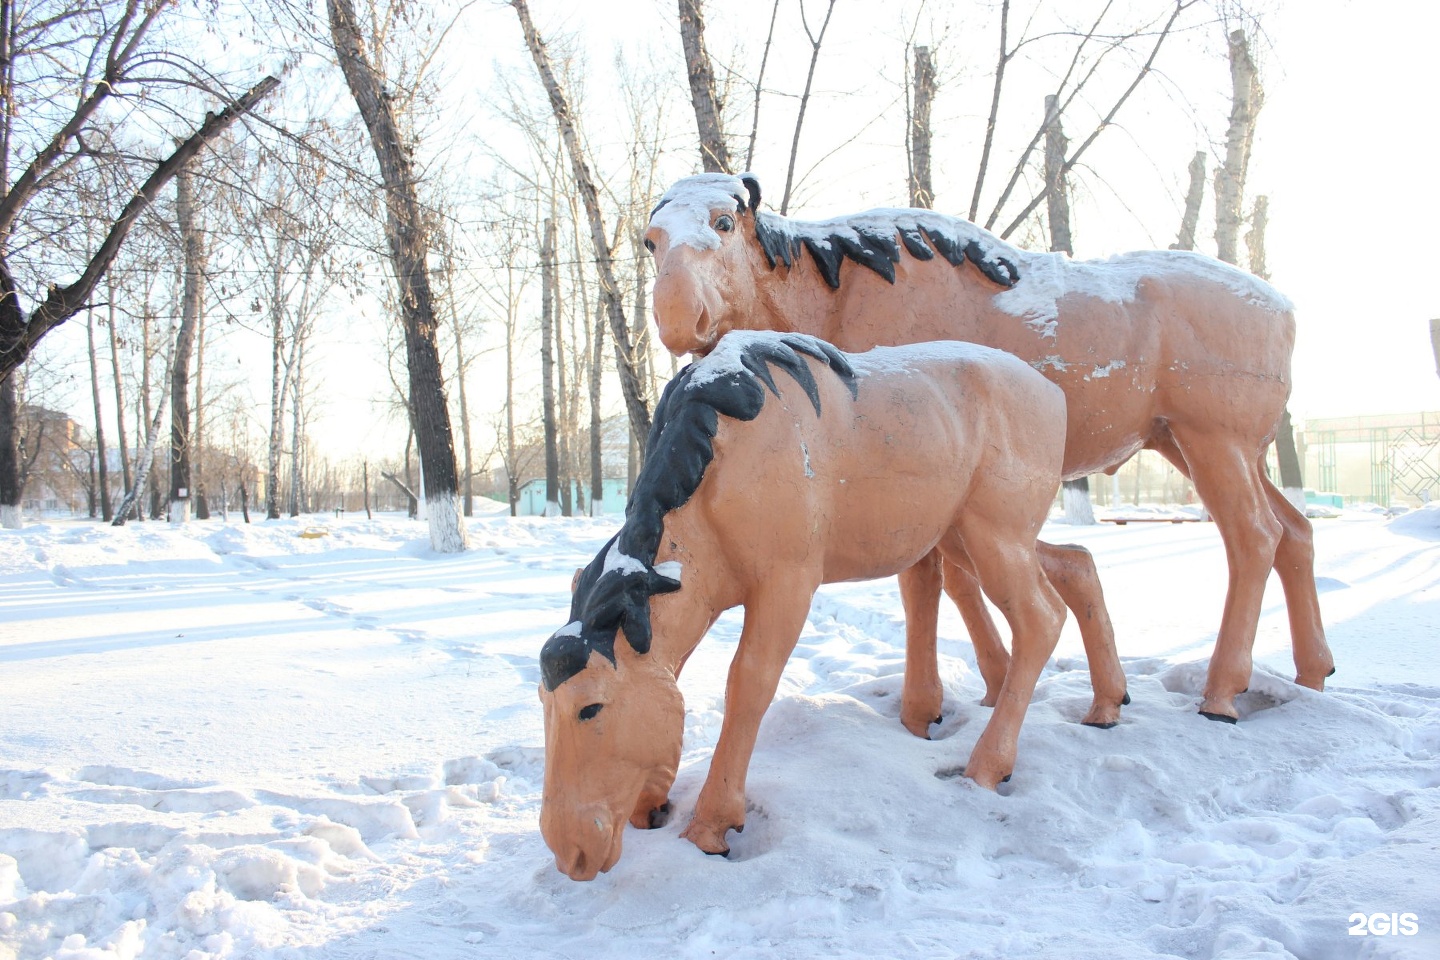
<point x="690" y="323"/>
<point x="585" y="838"/>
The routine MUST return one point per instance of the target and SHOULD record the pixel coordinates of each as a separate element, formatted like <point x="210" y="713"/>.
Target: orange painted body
<point x="1165" y="350"/>
<point x="948" y="447"/>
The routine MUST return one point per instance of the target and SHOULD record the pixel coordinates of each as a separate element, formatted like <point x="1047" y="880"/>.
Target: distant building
<point x="1389" y="459"/>
<point x="532" y="498"/>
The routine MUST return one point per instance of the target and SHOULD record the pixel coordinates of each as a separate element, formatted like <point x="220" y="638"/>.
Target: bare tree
<point x="714" y="153"/>
<point x="1246" y="100"/>
<point x="1193" y="198"/>
<point x="816" y="39"/>
<point x="191" y="305"/>
<point x="82" y="59"/>
<point x="627" y="361"/>
<point x="547" y="367"/>
<point x="922" y="189"/>
<point x="407" y="236"/>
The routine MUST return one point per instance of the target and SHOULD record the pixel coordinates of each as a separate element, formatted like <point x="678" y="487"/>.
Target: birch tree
<point x="628" y="361"/>
<point x="407" y="236"/>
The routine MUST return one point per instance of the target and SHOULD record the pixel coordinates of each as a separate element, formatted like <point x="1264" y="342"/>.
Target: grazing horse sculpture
<point x="1164" y="350"/>
<point x="854" y="468"/>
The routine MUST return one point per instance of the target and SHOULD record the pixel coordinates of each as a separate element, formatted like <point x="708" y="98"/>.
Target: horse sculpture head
<point x="613" y="716"/>
<point x="713" y="245"/>
<point x="698" y="236"/>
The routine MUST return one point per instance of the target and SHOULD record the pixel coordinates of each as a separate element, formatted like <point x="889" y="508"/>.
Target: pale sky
<point x="1343" y="150"/>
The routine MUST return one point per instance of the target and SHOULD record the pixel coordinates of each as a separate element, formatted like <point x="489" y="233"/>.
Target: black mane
<point x="614" y="590"/>
<point x="783" y="239"/>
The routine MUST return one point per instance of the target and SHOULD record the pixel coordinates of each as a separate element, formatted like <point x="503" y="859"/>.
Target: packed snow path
<point x="237" y="741"/>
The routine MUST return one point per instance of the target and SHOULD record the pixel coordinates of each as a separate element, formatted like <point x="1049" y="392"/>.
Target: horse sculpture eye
<point x="588" y="713"/>
<point x="650" y="245"/>
<point x="725" y="224"/>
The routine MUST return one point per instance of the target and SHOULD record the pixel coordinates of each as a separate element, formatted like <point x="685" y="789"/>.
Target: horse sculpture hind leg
<point x="1228" y="478"/>
<point x="1070" y="569"/>
<point x="1293" y="561"/>
<point x="1295" y="565"/>
<point x="1009" y="571"/>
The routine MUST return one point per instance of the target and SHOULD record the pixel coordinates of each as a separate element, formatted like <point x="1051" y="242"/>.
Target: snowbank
<point x="237" y="741"/>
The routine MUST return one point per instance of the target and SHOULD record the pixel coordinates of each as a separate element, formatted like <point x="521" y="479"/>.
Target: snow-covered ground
<point x="239" y="741"/>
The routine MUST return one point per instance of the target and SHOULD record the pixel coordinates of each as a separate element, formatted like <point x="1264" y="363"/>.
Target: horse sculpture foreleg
<point x="774" y="617"/>
<point x="922" y="693"/>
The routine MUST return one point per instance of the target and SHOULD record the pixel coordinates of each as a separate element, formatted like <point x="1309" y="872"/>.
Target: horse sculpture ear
<point x="752" y="186"/>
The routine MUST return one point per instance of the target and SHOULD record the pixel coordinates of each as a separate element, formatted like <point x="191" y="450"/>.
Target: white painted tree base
<point x="447" y="529"/>
<point x="1078" y="510"/>
<point x="597" y="508"/>
<point x="179" y="511"/>
<point x="552" y="509"/>
<point x="10" y="516"/>
<point x="1296" y="496"/>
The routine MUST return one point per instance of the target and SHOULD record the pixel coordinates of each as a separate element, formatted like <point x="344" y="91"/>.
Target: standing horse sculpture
<point x="1165" y="350"/>
<point x="854" y="468"/>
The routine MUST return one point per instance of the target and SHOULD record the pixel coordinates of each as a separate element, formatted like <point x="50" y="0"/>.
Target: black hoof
<point x="1216" y="716"/>
<point x="941" y="718"/>
<point x="719" y="853"/>
<point x="1331" y="673"/>
<point x="1102" y="726"/>
<point x="1125" y="700"/>
<point x="1005" y="779"/>
<point x="660" y="816"/>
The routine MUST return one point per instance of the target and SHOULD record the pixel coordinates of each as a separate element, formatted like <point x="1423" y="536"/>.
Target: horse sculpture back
<point x="1164" y="350"/>
<point x="756" y="489"/>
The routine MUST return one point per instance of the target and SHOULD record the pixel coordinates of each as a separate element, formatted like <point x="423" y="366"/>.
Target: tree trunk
<point x="1003" y="59"/>
<point x="597" y="445"/>
<point x="1292" y="471"/>
<point x="709" y="111"/>
<point x="1247" y="99"/>
<point x="1255" y="238"/>
<point x="1057" y="195"/>
<point x="468" y="502"/>
<point x="1193" y="198"/>
<point x="279" y="389"/>
<point x="134" y="498"/>
<point x="922" y="190"/>
<point x="297" y="466"/>
<point x="1076" y="496"/>
<point x="631" y="385"/>
<point x="123" y="442"/>
<point x="11" y="488"/>
<point x="191" y="303"/>
<point x="815" y="41"/>
<point x="244" y="502"/>
<point x="563" y="406"/>
<point x="406" y="233"/>
<point x="368" y="514"/>
<point x="547" y="370"/>
<point x="197" y="459"/>
<point x="512" y="482"/>
<point x="107" y="513"/>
